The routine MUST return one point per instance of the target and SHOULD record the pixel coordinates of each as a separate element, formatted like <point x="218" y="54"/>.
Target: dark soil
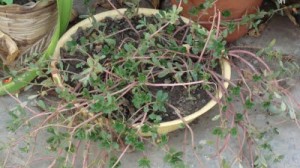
<point x="187" y="102"/>
<point x="23" y="2"/>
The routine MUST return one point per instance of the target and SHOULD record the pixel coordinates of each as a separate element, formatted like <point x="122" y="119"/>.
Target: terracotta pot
<point x="237" y="8"/>
<point x="164" y="127"/>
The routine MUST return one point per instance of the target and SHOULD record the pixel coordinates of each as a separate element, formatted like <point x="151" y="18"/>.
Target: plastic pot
<point x="237" y="9"/>
<point x="164" y="127"/>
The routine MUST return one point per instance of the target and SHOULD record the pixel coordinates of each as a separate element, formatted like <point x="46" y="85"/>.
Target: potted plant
<point x="138" y="66"/>
<point x="205" y="11"/>
<point x="27" y="23"/>
<point x="120" y="75"/>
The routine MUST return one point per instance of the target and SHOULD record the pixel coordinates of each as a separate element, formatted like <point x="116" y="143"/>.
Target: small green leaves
<point x="65" y="94"/>
<point x="155" y="118"/>
<point x="218" y="132"/>
<point x="163" y="140"/>
<point x="112" y="162"/>
<point x="218" y="47"/>
<point x="249" y="104"/>
<point x="119" y="127"/>
<point x="56" y="138"/>
<point x="145" y="128"/>
<point x="141" y="98"/>
<point x="132" y="139"/>
<point x="170" y="29"/>
<point x="163" y="73"/>
<point x="71" y="46"/>
<point x="172" y="15"/>
<point x="257" y="78"/>
<point x="70" y="149"/>
<point x="238" y="117"/>
<point x="110" y="42"/>
<point x="174" y="158"/>
<point x="25" y="148"/>
<point x="17" y="118"/>
<point x="142" y="23"/>
<point x="161" y="99"/>
<point x="129" y="47"/>
<point x="144" y="163"/>
<point x="42" y="104"/>
<point x="226" y="13"/>
<point x="235" y="90"/>
<point x="234" y="131"/>
<point x="80" y="134"/>
<point x="103" y="104"/>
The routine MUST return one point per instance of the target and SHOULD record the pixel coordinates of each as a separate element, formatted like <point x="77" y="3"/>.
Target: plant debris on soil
<point x="182" y="97"/>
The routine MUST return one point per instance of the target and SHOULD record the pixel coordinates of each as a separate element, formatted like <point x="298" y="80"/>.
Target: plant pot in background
<point x="237" y="8"/>
<point x="30" y="26"/>
<point x="164" y="127"/>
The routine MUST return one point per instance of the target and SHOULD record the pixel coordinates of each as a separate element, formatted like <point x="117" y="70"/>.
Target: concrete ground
<point x="286" y="143"/>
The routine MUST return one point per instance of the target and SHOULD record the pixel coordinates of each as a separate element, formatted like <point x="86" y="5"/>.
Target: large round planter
<point x="164" y="127"/>
<point x="237" y="8"/>
<point x="30" y="26"/>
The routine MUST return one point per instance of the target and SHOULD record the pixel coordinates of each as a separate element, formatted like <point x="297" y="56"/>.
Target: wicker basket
<point x="30" y="26"/>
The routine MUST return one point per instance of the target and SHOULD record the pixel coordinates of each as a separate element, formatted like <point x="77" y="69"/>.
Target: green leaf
<point x="161" y="96"/>
<point x="42" y="104"/>
<point x="249" y="104"/>
<point x="112" y="162"/>
<point x="218" y="132"/>
<point x="266" y="104"/>
<point x="144" y="163"/>
<point x="163" y="73"/>
<point x="129" y="47"/>
<point x="226" y="13"/>
<point x="119" y="127"/>
<point x="257" y="78"/>
<point x="174" y="158"/>
<point x="25" y="149"/>
<point x="155" y="118"/>
<point x="145" y="128"/>
<point x="80" y="134"/>
<point x="111" y="42"/>
<point x="70" y="149"/>
<point x="163" y="140"/>
<point x="234" y="131"/>
<point x="238" y="117"/>
<point x="236" y="90"/>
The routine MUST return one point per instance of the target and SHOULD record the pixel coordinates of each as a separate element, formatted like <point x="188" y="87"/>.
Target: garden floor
<point x="287" y="142"/>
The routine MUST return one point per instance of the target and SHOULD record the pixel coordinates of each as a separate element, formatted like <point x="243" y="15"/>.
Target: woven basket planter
<point x="30" y="26"/>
